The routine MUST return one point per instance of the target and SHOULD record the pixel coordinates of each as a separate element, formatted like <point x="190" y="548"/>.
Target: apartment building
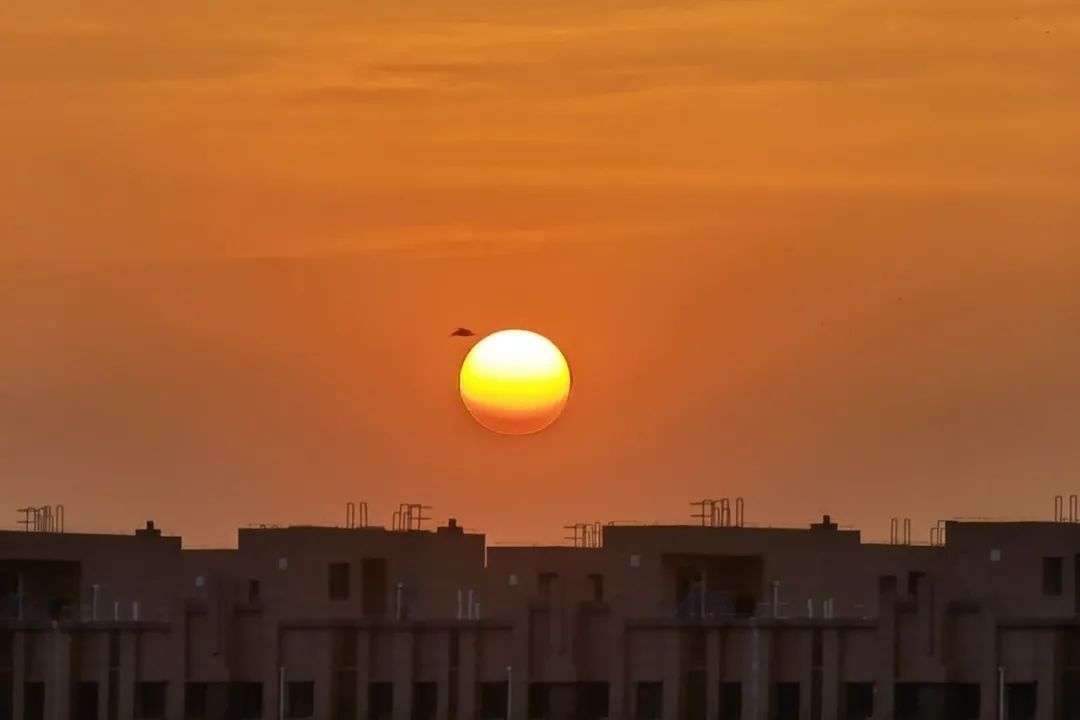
<point x="710" y="621"/>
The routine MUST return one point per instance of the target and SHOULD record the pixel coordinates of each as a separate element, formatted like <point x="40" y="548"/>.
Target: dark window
<point x="731" y="701"/>
<point x="592" y="700"/>
<point x="380" y="701"/>
<point x="8" y="671"/>
<point x="493" y="697"/>
<point x="596" y="582"/>
<point x="815" y="692"/>
<point x="114" y="649"/>
<point x="745" y="605"/>
<point x="1020" y="699"/>
<point x="9" y="591"/>
<point x="913" y="578"/>
<point x="34" y="701"/>
<point x="546" y="584"/>
<point x="86" y="699"/>
<point x="425" y="701"/>
<point x="346" y="689"/>
<point x="1070" y="693"/>
<point x="1076" y="584"/>
<point x="937" y="701"/>
<point x="245" y="700"/>
<point x="539" y="700"/>
<point x="962" y="701"/>
<point x="648" y="700"/>
<point x="452" y="693"/>
<point x="7" y="694"/>
<point x="1051" y="576"/>
<point x="787" y="701"/>
<point x="694" y="696"/>
<point x="906" y="700"/>
<point x="113" y="699"/>
<point x="195" y="699"/>
<point x="300" y="699"/>
<point x="150" y="700"/>
<point x="858" y="701"/>
<point x="697" y="648"/>
<point x="373" y="578"/>
<point x="339" y="581"/>
<point x="254" y="591"/>
<point x="348" y="651"/>
<point x="817" y="649"/>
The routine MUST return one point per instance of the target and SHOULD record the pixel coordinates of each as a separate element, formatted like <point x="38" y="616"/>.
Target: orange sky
<point x="821" y="254"/>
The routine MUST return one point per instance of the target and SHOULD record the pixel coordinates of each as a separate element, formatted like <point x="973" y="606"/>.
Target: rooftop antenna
<point x="937" y="534"/>
<point x="403" y="516"/>
<point x="44" y="518"/>
<point x="1074" y="515"/>
<point x="894" y="525"/>
<point x="907" y="531"/>
<point x="584" y="535"/>
<point x="725" y="512"/>
<point x="29" y="514"/>
<point x="704" y="514"/>
<point x="1059" y="513"/>
<point x="739" y="506"/>
<point x="416" y="515"/>
<point x="354" y="520"/>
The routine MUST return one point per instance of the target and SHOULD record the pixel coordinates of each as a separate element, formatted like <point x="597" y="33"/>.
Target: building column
<point x="989" y="659"/>
<point x="403" y="672"/>
<point x="1050" y="663"/>
<point x="617" y="685"/>
<point x="18" y="677"/>
<point x="522" y="642"/>
<point x="59" y="678"/>
<point x="100" y="644"/>
<point x="884" y="705"/>
<point x="363" y="670"/>
<point x="324" y="674"/>
<point x="177" y="674"/>
<point x="672" y="675"/>
<point x="760" y="674"/>
<point x="270" y="665"/>
<point x="468" y="655"/>
<point x="442" y="688"/>
<point x="832" y="684"/>
<point x="128" y="673"/>
<point x="713" y="671"/>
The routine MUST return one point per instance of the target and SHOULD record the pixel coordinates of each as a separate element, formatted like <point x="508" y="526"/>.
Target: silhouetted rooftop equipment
<point x="410" y="516"/>
<point x="45" y="518"/>
<point x="898" y="536"/>
<point x="586" y="535"/>
<point x="1074" y="509"/>
<point x="352" y="520"/>
<point x="718" y="513"/>
<point x="149" y="531"/>
<point x="937" y="534"/>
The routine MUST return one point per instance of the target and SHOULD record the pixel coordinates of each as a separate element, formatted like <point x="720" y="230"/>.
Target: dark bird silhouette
<point x="462" y="332"/>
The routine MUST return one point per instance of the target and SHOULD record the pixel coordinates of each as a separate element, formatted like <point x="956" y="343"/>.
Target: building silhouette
<point x="709" y="621"/>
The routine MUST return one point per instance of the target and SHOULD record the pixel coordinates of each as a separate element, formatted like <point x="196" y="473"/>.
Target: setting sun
<point x="515" y="382"/>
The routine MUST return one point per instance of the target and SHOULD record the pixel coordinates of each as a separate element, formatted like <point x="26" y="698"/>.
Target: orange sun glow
<point x="515" y="382"/>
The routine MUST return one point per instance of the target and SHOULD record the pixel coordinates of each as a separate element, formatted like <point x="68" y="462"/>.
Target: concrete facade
<point x="650" y="623"/>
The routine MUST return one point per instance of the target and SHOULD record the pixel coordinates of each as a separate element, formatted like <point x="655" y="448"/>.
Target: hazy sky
<point x="823" y="254"/>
